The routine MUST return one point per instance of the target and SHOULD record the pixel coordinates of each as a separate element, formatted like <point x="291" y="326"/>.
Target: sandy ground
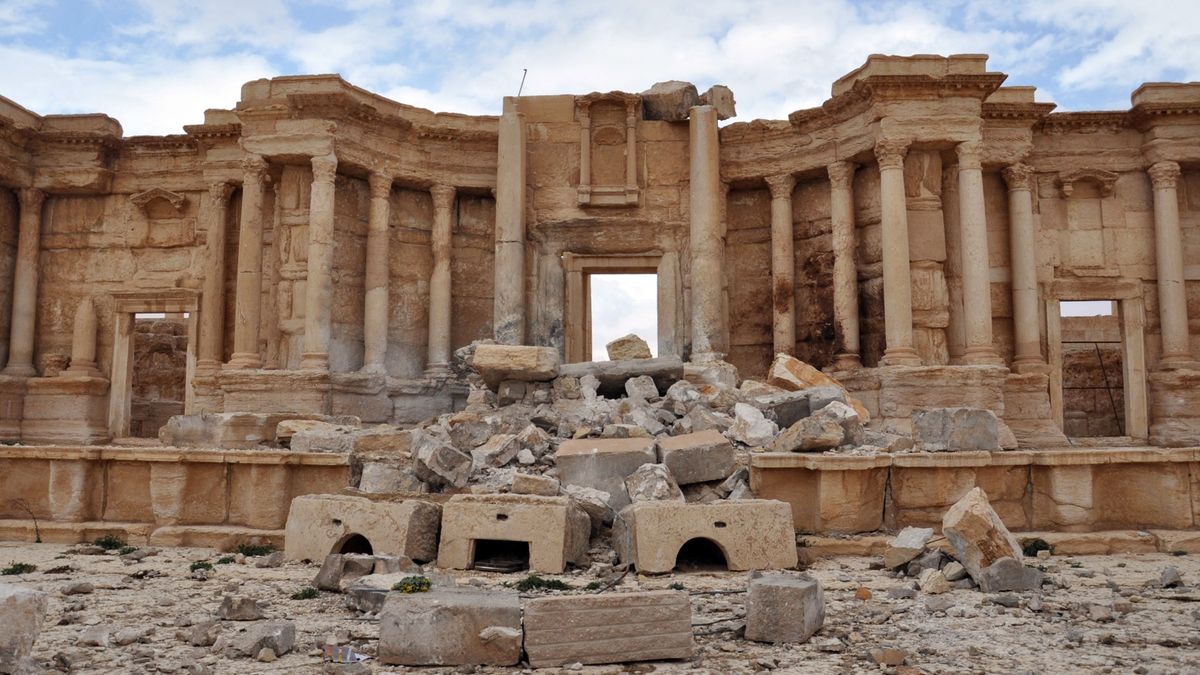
<point x="1074" y="630"/>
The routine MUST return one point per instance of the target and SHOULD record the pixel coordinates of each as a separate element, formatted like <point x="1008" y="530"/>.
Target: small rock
<point x="1170" y="577"/>
<point x="1005" y="600"/>
<point x="901" y="593"/>
<point x="266" y="655"/>
<point x="907" y="545"/>
<point x="78" y="588"/>
<point x="863" y="593"/>
<point x="239" y="608"/>
<point x="953" y="571"/>
<point x="933" y="582"/>
<point x="275" y="559"/>
<point x="888" y="656"/>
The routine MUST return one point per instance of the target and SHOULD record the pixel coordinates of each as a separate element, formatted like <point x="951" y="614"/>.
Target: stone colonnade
<point x="25" y="284"/>
<point x="1168" y="256"/>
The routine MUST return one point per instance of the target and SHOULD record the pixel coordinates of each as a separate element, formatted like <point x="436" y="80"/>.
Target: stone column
<point x="318" y="302"/>
<point x="83" y="341"/>
<point x="375" y="302"/>
<point x="1027" y="333"/>
<point x="25" y="284"/>
<point x="705" y="233"/>
<point x="438" y="363"/>
<point x="783" y="263"/>
<point x="897" y="282"/>
<point x="212" y="302"/>
<point x="508" y="314"/>
<point x="845" y="271"/>
<point x="1168" y="260"/>
<point x="249" y="271"/>
<point x="976" y="273"/>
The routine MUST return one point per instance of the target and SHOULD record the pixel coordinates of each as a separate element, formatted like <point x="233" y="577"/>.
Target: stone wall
<point x="8" y="257"/>
<point x="748" y="279"/>
<point x="159" y="374"/>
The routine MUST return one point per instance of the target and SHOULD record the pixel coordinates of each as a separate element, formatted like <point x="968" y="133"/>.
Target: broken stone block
<point x="1170" y="577"/>
<point x="509" y="392"/>
<point x="496" y="363"/>
<point x="624" y="431"/>
<point x="628" y="348"/>
<point x="608" y="628"/>
<point x="720" y="97"/>
<point x="533" y="439"/>
<point x="955" y="430"/>
<point x="529" y="484"/>
<point x="697" y="457"/>
<point x="555" y="529"/>
<point x="603" y="464"/>
<point x="451" y="627"/>
<point x="22" y="611"/>
<point x="786" y="407"/>
<point x="226" y="430"/>
<point x="388" y="478"/>
<point x="750" y="533"/>
<point x="277" y="636"/>
<point x="496" y="452"/>
<point x="438" y="463"/>
<point x="783" y="608"/>
<point x="338" y="570"/>
<point x="652" y="482"/>
<point x="953" y="571"/>
<point x="817" y="432"/>
<point x="750" y="427"/>
<point x="977" y="534"/>
<point x="670" y="101"/>
<point x="318" y="525"/>
<point x="792" y="374"/>
<point x="907" y="545"/>
<point x="933" y="582"/>
<point x="1008" y="574"/>
<point x="611" y="376"/>
<point x="642" y="387"/>
<point x="317" y="436"/>
<point x="593" y="502"/>
<point x="239" y="608"/>
<point x="466" y="430"/>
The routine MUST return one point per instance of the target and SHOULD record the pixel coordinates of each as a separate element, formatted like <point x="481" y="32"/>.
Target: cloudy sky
<point x="157" y="64"/>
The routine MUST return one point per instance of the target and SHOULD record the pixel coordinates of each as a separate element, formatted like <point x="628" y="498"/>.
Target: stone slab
<point x="451" y="627"/>
<point x="697" y="457"/>
<point x="608" y="628"/>
<point x="604" y="464"/>
<point x="556" y="529"/>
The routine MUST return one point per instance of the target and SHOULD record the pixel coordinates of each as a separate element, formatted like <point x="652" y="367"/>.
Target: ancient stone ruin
<point x="329" y="335"/>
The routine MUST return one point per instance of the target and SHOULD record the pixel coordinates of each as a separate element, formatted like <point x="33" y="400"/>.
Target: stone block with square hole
<point x="749" y="534"/>
<point x="608" y="628"/>
<point x="495" y="529"/>
<point x="318" y="525"/>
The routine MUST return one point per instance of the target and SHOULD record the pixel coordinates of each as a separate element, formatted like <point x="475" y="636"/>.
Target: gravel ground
<point x="1102" y="614"/>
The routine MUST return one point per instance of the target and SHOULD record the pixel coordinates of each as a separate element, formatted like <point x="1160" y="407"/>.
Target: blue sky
<point x="156" y="65"/>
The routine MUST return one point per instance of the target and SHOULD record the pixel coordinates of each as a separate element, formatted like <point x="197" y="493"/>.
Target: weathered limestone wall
<point x="867" y="214"/>
<point x="409" y="267"/>
<point x="8" y="258"/>
<point x="472" y="269"/>
<point x="815" y="343"/>
<point x="748" y="256"/>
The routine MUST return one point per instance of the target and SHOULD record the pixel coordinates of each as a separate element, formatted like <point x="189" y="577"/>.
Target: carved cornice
<point x="143" y="199"/>
<point x="841" y="174"/>
<point x="1066" y="122"/>
<point x="213" y="131"/>
<point x="781" y="185"/>
<point x="1107" y="180"/>
<point x="1016" y="111"/>
<point x="1018" y="176"/>
<point x="890" y="152"/>
<point x="1164" y="174"/>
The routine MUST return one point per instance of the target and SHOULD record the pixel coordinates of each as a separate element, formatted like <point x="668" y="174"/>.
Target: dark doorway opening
<point x="356" y="543"/>
<point x="701" y="555"/>
<point x="160" y="345"/>
<point x="495" y="555"/>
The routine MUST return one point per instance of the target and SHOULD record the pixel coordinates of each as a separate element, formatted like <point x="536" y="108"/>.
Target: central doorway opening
<point x="160" y="348"/>
<point x="1093" y="370"/>
<point x="618" y="305"/>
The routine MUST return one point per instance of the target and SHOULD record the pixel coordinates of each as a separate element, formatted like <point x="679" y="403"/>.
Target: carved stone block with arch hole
<point x="509" y="531"/>
<point x="750" y="534"/>
<point x="318" y="525"/>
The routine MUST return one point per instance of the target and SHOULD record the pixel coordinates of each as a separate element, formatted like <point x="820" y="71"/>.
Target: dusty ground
<point x="1154" y="630"/>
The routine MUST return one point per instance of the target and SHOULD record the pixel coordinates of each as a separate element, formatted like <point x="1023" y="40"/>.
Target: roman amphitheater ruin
<point x="378" y="318"/>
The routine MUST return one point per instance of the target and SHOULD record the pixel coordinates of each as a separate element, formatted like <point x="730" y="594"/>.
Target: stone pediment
<point x="143" y="199"/>
<point x="1105" y="179"/>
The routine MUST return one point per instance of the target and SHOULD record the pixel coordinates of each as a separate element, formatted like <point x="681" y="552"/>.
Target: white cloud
<point x="623" y="304"/>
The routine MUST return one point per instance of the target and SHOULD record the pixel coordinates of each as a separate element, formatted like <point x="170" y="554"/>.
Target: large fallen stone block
<point x="555" y="529"/>
<point x="750" y="427"/>
<point x="438" y="463"/>
<point x="318" y="525"/>
<point x="720" y="97"/>
<point x="227" y="430"/>
<point x="670" y="101"/>
<point x="451" y="627"/>
<point x="627" y="348"/>
<point x="666" y="370"/>
<point x="496" y="363"/>
<point x="278" y="636"/>
<point x="22" y="611"/>
<point x="652" y="482"/>
<point x="792" y="374"/>
<point x="1008" y="574"/>
<point x="907" y="545"/>
<point x="955" y="430"/>
<point x="788" y="407"/>
<point x="697" y="457"/>
<point x="783" y="608"/>
<point x="977" y="534"/>
<point x="750" y="533"/>
<point x="608" y="628"/>
<point x="604" y="464"/>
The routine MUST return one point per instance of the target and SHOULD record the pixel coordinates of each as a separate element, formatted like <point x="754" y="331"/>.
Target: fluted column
<point x="212" y="302"/>
<point x="438" y="362"/>
<point x="897" y="280"/>
<point x="1023" y="253"/>
<point x="375" y="300"/>
<point x="508" y="314"/>
<point x="1168" y="260"/>
<point x="25" y="284"/>
<point x="318" y="303"/>
<point x="705" y="233"/>
<point x="783" y="263"/>
<point x="976" y="273"/>
<point x="845" y="271"/>
<point x="249" y="277"/>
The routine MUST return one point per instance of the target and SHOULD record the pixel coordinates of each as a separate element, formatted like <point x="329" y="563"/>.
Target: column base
<point x="1029" y="365"/>
<point x="244" y="360"/>
<point x="373" y="369"/>
<point x="437" y="371"/>
<point x="900" y="356"/>
<point x="19" y="370"/>
<point x="314" y="361"/>
<point x="846" y="361"/>
<point x="1178" y="362"/>
<point x="982" y="356"/>
<point x="707" y="357"/>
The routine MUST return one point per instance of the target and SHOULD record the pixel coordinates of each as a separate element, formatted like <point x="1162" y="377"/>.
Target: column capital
<point x="443" y="195"/>
<point x="1164" y="174"/>
<point x="890" y="152"/>
<point x="219" y="191"/>
<point x="254" y="167"/>
<point x="31" y="198"/>
<point x="379" y="182"/>
<point x="841" y="174"/>
<point x="1018" y="176"/>
<point x="324" y="167"/>
<point x="781" y="185"/>
<point x="970" y="155"/>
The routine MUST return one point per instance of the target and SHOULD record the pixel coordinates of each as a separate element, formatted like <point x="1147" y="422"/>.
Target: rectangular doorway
<point x="618" y="305"/>
<point x="160" y="344"/>
<point x="1093" y="380"/>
